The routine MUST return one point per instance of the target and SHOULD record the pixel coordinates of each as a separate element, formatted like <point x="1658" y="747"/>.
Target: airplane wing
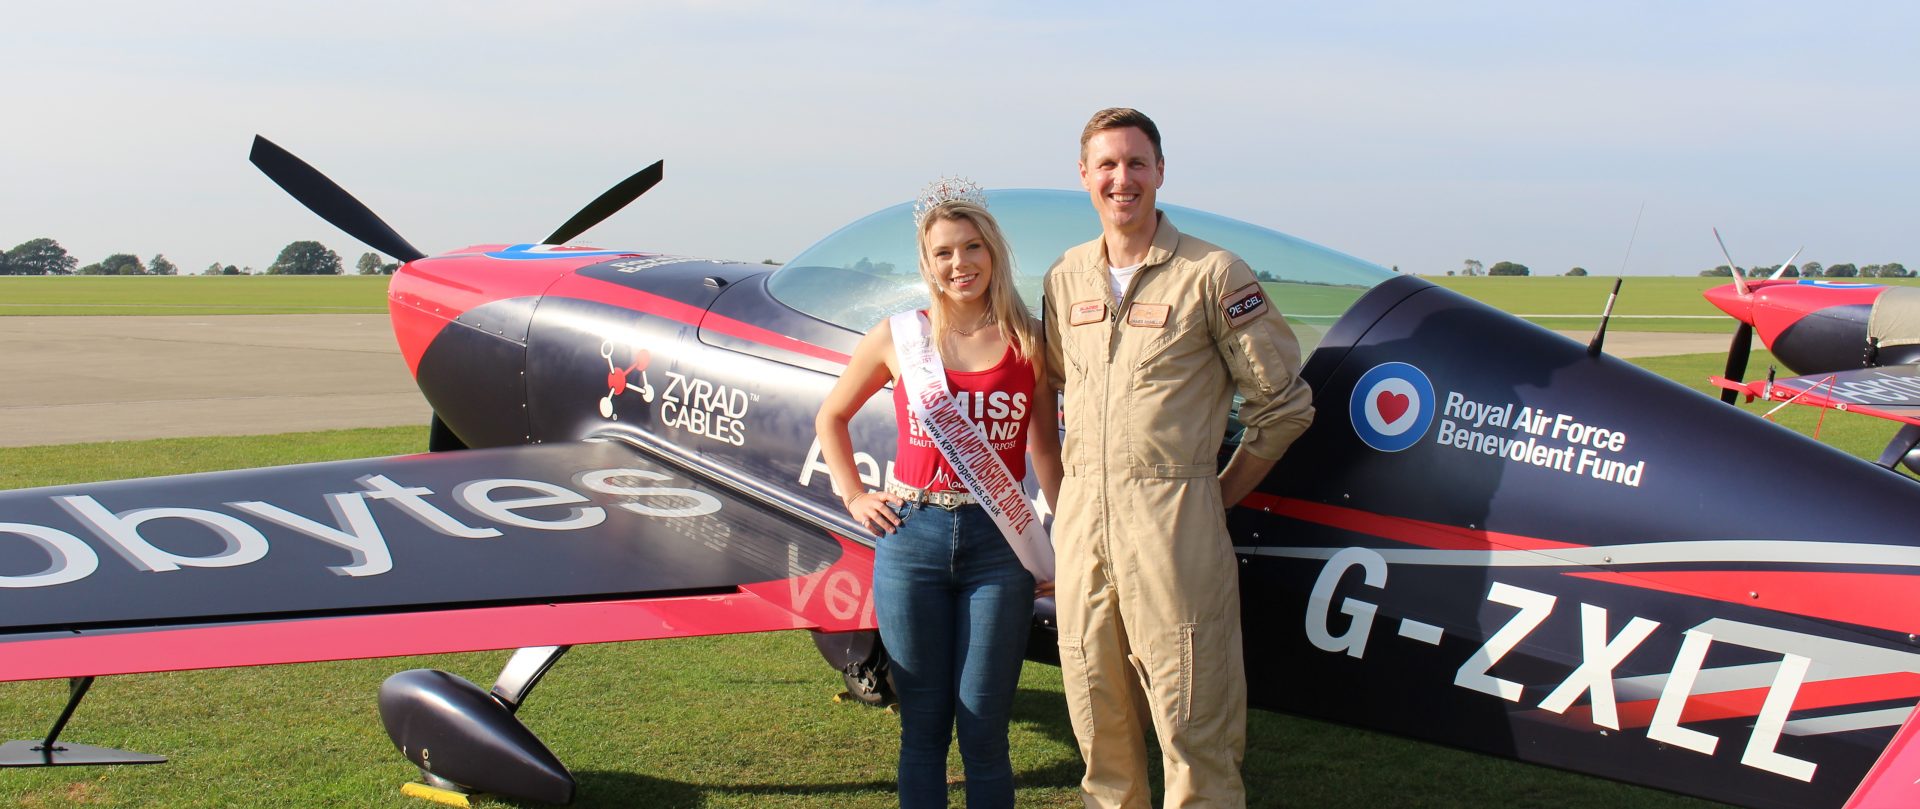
<point x="1889" y="392"/>
<point x="551" y="544"/>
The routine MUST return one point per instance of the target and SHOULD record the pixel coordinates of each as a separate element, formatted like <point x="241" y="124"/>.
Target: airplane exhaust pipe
<point x="458" y="734"/>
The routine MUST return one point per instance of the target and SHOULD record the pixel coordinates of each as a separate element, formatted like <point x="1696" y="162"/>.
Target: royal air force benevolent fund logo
<point x="1392" y="406"/>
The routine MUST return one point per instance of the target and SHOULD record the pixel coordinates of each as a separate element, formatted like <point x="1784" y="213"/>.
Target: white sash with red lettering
<point x="965" y="447"/>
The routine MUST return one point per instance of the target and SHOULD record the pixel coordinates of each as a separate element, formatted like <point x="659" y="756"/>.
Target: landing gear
<point x="465" y="740"/>
<point x="50" y="752"/>
<point x="863" y="665"/>
<point x="1901" y="450"/>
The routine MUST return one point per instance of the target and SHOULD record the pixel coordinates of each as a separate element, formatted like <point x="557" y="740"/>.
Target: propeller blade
<point x="329" y="200"/>
<point x="1783" y="268"/>
<point x="610" y="202"/>
<point x="1737" y="360"/>
<point x="1739" y="278"/>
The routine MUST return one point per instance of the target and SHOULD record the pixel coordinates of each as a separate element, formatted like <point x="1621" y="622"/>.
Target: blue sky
<point x="1411" y="134"/>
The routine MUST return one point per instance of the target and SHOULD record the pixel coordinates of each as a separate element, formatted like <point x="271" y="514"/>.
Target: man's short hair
<point x="1121" y="118"/>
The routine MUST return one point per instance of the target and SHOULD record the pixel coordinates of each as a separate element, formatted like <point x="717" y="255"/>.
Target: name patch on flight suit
<point x="1149" y="315"/>
<point x="1086" y="312"/>
<point x="1243" y="304"/>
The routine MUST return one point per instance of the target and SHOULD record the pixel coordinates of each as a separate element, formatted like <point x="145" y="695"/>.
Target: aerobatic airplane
<point x="1853" y="346"/>
<point x="1492" y="537"/>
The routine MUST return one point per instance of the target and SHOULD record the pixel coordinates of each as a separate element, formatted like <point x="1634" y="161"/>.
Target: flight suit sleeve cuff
<point x="1270" y="442"/>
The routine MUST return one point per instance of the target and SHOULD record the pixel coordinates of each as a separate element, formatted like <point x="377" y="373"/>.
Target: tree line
<point x="45" y="256"/>
<point x="1472" y="267"/>
<point x="1811" y="269"/>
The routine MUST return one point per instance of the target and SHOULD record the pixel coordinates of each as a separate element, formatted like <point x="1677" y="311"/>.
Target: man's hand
<point x="1244" y="472"/>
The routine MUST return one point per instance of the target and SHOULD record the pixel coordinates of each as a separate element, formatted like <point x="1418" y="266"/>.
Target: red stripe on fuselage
<point x="1399" y="529"/>
<point x="1882" y="600"/>
<point x="426" y="295"/>
<point x="1748" y="701"/>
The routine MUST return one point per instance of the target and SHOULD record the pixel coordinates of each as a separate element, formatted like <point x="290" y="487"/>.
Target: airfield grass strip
<point x="1647" y="303"/>
<point x="192" y="295"/>
<point x="52" y="465"/>
<point x="1639" y="294"/>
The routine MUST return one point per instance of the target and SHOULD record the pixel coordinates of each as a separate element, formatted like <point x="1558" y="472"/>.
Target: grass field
<point x="192" y="294"/>
<point x="1647" y="303"/>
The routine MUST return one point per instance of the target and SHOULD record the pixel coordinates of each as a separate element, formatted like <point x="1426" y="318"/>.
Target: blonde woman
<point x="953" y="600"/>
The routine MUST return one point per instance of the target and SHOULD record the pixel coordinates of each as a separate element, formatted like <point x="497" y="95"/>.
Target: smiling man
<point x="1149" y="333"/>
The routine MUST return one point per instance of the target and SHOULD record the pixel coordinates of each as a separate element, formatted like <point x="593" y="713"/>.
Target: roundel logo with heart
<point x="1392" y="406"/>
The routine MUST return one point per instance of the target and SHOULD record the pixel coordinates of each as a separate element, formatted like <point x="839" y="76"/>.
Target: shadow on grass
<point x="603" y="789"/>
<point x="1034" y="710"/>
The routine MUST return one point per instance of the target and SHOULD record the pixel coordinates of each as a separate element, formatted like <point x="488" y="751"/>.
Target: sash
<point x="965" y="447"/>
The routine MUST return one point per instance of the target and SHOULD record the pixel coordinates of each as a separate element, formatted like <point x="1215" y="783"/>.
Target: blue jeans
<point x="954" y="606"/>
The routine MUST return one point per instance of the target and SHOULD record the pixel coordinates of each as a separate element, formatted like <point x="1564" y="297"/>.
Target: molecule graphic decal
<point x="618" y="378"/>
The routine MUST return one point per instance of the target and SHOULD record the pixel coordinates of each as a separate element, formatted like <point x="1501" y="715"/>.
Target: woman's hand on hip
<point x="874" y="510"/>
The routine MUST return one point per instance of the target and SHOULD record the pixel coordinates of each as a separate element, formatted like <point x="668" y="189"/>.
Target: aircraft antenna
<point x="1630" y="241"/>
<point x="1600" y="334"/>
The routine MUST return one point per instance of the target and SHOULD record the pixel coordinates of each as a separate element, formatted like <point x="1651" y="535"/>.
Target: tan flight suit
<point x="1148" y="592"/>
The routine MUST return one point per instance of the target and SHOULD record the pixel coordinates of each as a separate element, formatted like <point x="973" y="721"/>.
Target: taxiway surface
<point x="71" y="379"/>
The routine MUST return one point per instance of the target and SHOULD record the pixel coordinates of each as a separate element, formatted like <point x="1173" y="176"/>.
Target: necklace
<point x="985" y="321"/>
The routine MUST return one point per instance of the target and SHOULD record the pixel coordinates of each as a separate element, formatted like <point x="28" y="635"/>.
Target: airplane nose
<point x="1728" y="299"/>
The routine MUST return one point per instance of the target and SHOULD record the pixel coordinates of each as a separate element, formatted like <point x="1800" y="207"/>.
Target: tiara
<point x="947" y="189"/>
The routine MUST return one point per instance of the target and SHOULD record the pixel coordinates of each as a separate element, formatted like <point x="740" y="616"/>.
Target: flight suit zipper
<point x="1108" y="516"/>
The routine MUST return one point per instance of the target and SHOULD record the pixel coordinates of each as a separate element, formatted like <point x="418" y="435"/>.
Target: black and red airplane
<point x="1492" y="537"/>
<point x="1852" y="347"/>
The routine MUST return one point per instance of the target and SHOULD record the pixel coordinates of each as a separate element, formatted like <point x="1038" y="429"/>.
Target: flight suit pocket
<point x="1174" y="381"/>
<point x="1179" y="338"/>
<point x="1254" y="378"/>
<point x="1073" y="657"/>
<point x="1071" y="350"/>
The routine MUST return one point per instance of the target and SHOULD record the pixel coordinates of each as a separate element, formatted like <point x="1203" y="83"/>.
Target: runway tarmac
<point x="70" y="379"/>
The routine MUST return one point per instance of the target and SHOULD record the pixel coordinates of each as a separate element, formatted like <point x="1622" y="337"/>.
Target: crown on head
<point x="947" y="189"/>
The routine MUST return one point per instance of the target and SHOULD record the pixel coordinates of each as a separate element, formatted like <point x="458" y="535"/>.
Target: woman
<point x="953" y="601"/>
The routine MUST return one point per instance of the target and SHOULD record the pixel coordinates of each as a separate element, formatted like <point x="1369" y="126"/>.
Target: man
<point x="1149" y="332"/>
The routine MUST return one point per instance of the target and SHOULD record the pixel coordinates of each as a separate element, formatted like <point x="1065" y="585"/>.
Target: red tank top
<point x="998" y="399"/>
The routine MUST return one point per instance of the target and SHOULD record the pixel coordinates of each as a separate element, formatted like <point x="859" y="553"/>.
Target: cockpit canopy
<point x="870" y="269"/>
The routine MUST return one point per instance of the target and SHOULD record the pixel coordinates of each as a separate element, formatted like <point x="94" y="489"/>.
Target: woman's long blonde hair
<point x="1003" y="299"/>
